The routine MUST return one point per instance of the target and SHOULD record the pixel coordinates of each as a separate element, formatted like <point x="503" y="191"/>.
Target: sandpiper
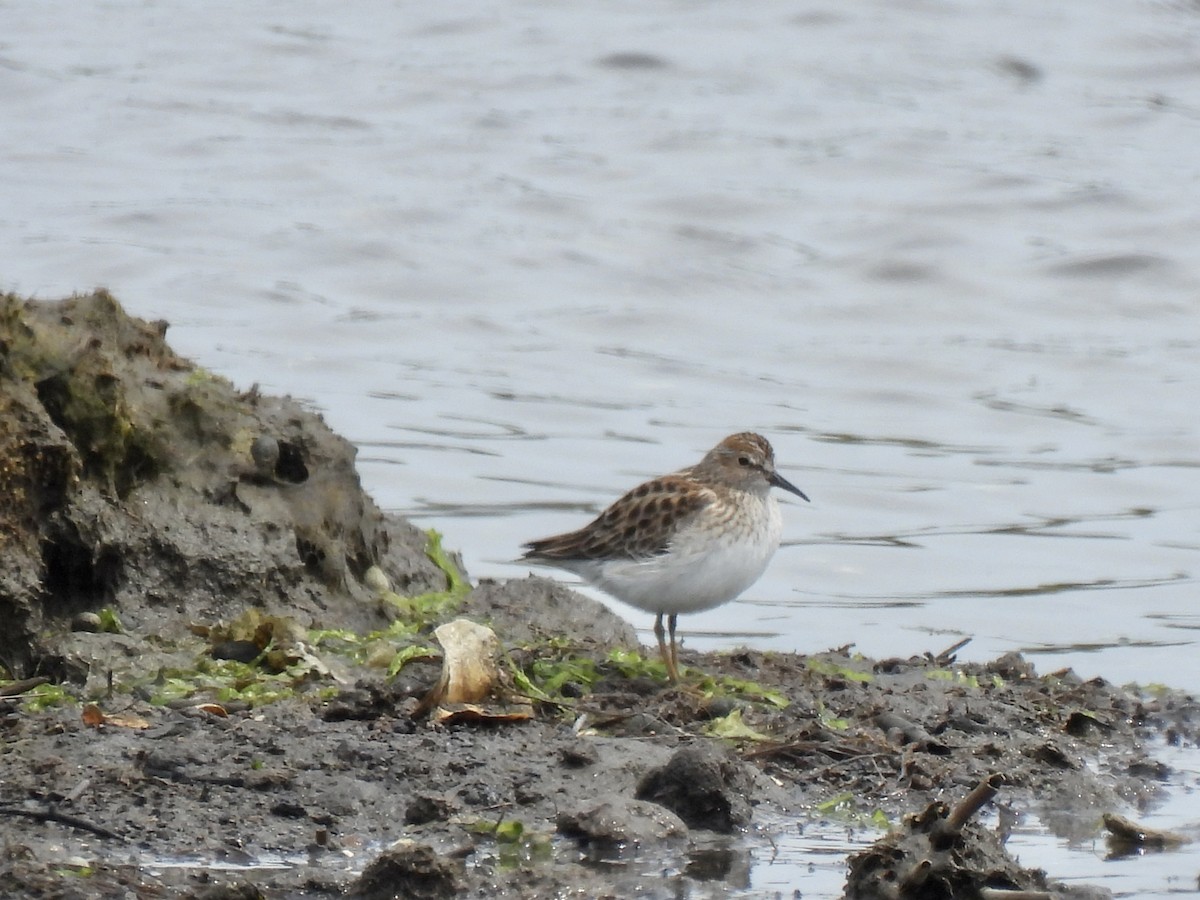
<point x="684" y="542"/>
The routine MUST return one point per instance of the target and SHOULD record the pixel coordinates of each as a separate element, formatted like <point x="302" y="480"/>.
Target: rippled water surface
<point x="943" y="255"/>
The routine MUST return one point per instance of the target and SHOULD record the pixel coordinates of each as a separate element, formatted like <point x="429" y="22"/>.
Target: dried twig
<point x="838" y="752"/>
<point x="947" y="656"/>
<point x="53" y="815"/>
<point x="973" y="802"/>
<point x="20" y="687"/>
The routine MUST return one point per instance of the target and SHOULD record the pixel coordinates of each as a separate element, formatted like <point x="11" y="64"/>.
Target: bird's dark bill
<point x="779" y="481"/>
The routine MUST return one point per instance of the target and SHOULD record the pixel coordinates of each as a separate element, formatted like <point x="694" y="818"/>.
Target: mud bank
<point x="217" y="647"/>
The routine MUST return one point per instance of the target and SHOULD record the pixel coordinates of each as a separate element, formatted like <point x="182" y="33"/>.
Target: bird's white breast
<point x="707" y="564"/>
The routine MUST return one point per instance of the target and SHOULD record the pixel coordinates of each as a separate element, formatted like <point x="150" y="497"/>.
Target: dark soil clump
<point x="704" y="786"/>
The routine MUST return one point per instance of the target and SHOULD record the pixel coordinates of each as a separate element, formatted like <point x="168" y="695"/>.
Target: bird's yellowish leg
<point x="673" y="666"/>
<point x="668" y="656"/>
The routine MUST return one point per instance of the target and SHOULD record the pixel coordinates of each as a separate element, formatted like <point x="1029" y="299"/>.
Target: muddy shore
<point x="217" y="648"/>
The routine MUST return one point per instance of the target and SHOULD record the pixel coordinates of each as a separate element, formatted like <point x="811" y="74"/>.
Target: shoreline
<point x="227" y="678"/>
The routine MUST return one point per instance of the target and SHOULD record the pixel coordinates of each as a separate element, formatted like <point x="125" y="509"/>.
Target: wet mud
<point x="216" y="651"/>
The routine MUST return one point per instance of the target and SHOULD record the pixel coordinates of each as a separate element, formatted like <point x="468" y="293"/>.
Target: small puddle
<point x="260" y="863"/>
<point x="803" y="861"/>
<point x="193" y="861"/>
<point x="782" y="857"/>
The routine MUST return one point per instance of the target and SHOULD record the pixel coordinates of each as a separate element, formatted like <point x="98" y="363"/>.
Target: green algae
<point x="228" y="681"/>
<point x="734" y="728"/>
<point x="550" y="667"/>
<point x="110" y="622"/>
<point x="46" y="696"/>
<point x="517" y="845"/>
<point x="420" y="612"/>
<point x="829" y="720"/>
<point x="402" y="641"/>
<point x="955" y="675"/>
<point x="845" y="808"/>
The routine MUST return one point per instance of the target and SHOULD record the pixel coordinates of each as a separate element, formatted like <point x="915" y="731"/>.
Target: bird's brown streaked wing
<point x="639" y="525"/>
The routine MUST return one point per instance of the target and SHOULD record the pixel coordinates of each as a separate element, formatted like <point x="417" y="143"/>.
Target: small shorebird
<point x="684" y="542"/>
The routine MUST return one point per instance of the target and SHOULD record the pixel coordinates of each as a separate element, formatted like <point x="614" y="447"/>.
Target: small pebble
<point x="376" y="580"/>
<point x="265" y="453"/>
<point x="87" y="621"/>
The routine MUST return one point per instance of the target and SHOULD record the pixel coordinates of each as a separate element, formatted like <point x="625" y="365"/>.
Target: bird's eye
<point x="743" y="460"/>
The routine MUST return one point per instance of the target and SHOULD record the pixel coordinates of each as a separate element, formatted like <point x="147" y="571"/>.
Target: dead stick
<point x="77" y="791"/>
<point x="842" y="752"/>
<point x="20" y="687"/>
<point x="51" y="815"/>
<point x="947" y="655"/>
<point x="973" y="802"/>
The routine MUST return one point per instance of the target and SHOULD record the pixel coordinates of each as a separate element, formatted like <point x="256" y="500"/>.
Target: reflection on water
<point x="1096" y="646"/>
<point x="1188" y="622"/>
<point x="802" y="858"/>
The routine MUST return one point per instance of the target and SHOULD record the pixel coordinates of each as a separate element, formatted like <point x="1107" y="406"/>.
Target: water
<point x="779" y="859"/>
<point x="943" y="255"/>
<point x="1149" y="874"/>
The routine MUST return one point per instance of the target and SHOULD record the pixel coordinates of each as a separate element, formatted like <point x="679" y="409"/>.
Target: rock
<point x="579" y="755"/>
<point x="409" y="871"/>
<point x="720" y="707"/>
<point x="616" y="821"/>
<point x="265" y="453"/>
<point x="240" y="651"/>
<point x="704" y="786"/>
<point x="1012" y="666"/>
<point x="87" y="621"/>
<point x="428" y="808"/>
